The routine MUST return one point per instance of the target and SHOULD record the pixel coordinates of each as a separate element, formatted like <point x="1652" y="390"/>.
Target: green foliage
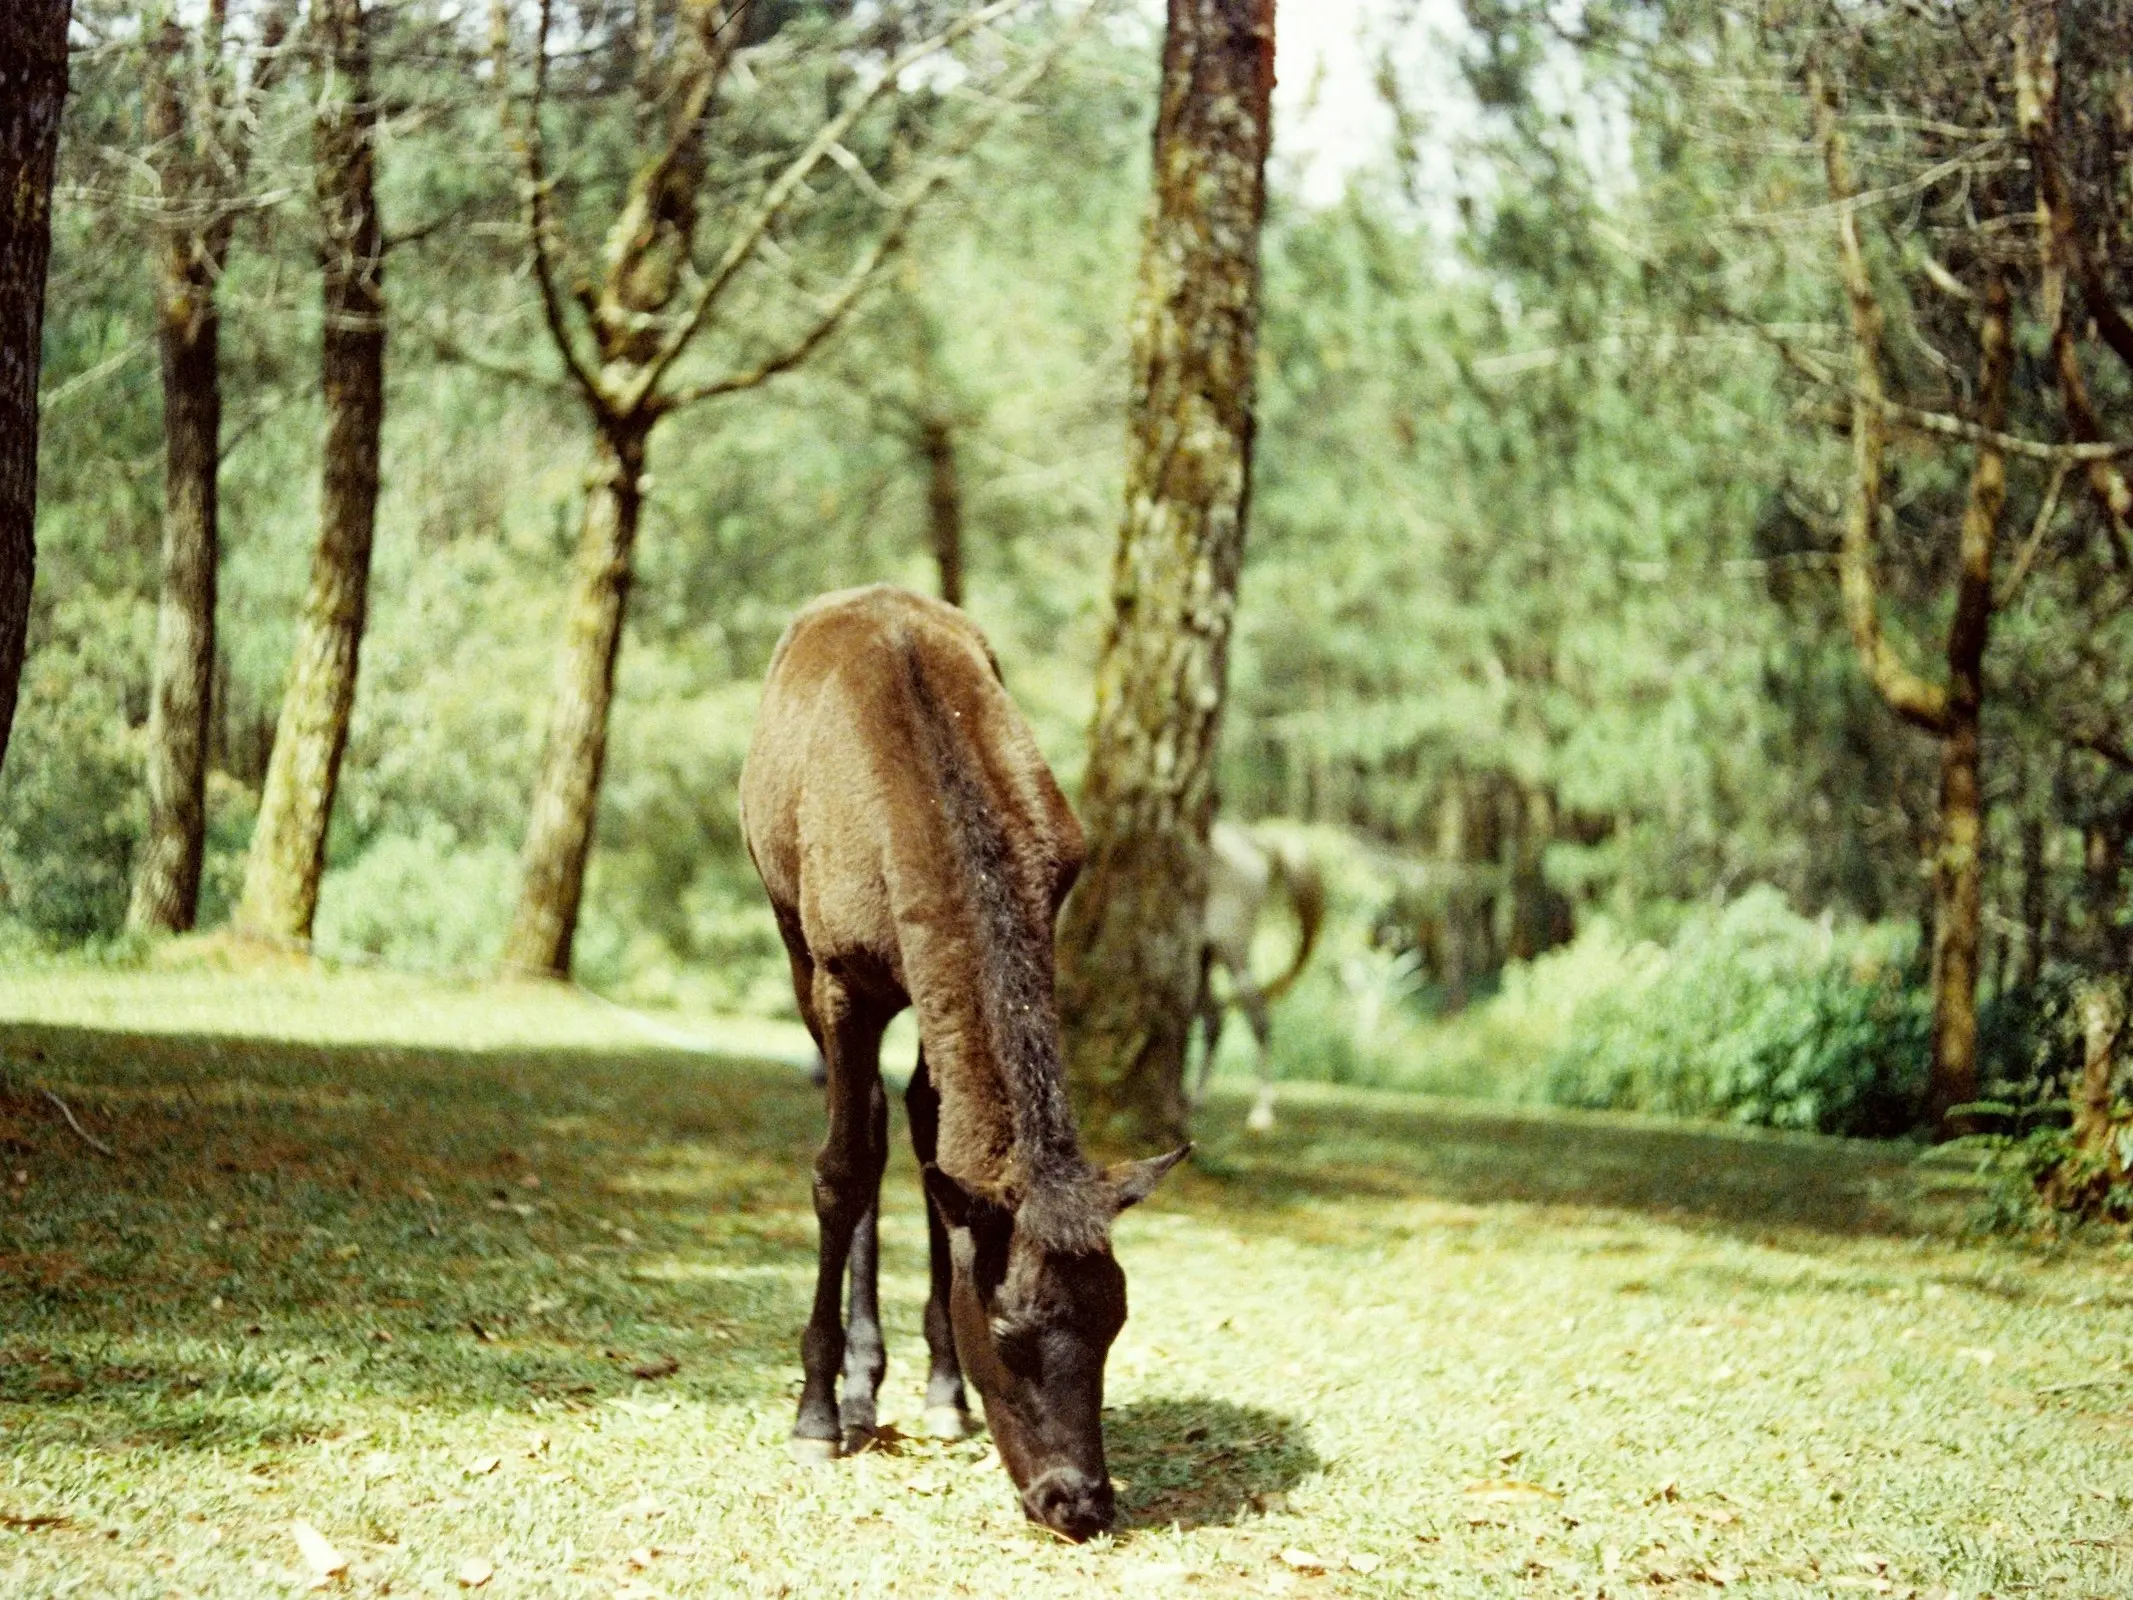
<point x="427" y="901"/>
<point x="1757" y="1015"/>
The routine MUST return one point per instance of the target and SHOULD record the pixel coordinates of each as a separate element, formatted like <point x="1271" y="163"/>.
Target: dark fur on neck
<point x="1061" y="1203"/>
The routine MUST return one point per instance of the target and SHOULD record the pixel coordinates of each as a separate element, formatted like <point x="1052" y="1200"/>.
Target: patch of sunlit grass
<point x="399" y="1285"/>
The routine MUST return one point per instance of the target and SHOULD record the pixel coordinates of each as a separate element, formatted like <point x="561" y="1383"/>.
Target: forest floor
<point x="490" y="1291"/>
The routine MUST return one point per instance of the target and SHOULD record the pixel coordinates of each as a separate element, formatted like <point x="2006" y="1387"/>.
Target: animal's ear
<point x="1131" y="1182"/>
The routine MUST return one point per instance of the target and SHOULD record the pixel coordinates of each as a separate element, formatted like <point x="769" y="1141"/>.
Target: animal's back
<point x="884" y="739"/>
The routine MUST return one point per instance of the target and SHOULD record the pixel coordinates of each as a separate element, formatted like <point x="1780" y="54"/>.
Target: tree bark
<point x="192" y="246"/>
<point x="2102" y="1009"/>
<point x="1959" y="866"/>
<point x="166" y="884"/>
<point x="944" y="504"/>
<point x="33" y="89"/>
<point x="2035" y="887"/>
<point x="288" y="853"/>
<point x="566" y="794"/>
<point x="1130" y="940"/>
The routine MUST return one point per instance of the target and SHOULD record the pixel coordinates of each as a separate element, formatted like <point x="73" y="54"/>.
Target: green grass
<point x="382" y="1257"/>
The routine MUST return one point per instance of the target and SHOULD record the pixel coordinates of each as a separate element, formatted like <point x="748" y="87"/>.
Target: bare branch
<point x="742" y="247"/>
<point x="449" y="348"/>
<point x="540" y="220"/>
<point x="1916" y="699"/>
<point x="2046" y="512"/>
<point x="868" y="267"/>
<point x="2036" y="39"/>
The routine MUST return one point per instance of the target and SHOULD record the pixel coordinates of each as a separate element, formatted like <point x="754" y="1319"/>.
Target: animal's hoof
<point x="946" y="1422"/>
<point x="857" y="1441"/>
<point x="1261" y="1120"/>
<point x="812" y="1452"/>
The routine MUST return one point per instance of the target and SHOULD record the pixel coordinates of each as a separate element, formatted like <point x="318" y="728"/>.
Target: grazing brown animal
<point x="916" y="850"/>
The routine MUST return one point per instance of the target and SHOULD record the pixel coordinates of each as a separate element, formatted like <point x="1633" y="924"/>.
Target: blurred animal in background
<point x="1244" y="869"/>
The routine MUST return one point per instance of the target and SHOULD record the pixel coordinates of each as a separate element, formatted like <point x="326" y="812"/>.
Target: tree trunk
<point x="1130" y="940"/>
<point x="1959" y="865"/>
<point x="2035" y="888"/>
<point x="1455" y="943"/>
<point x="2103" y="1015"/>
<point x="944" y="504"/>
<point x="288" y="852"/>
<point x="189" y="259"/>
<point x="1958" y="898"/>
<point x="566" y="794"/>
<point x="33" y="88"/>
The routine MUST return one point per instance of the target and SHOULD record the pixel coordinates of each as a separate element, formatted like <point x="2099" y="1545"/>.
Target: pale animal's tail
<point x="1306" y="888"/>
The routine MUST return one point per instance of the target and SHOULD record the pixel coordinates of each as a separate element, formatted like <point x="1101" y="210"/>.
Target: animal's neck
<point x="1006" y="1119"/>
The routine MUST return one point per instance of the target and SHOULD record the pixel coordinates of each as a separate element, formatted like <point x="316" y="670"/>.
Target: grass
<point x="386" y="1259"/>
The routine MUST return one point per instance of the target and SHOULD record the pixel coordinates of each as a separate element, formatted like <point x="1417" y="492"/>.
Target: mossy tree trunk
<point x="1130" y="940"/>
<point x="199" y="132"/>
<point x="192" y="246"/>
<point x="566" y="793"/>
<point x="1950" y="711"/>
<point x="641" y="311"/>
<point x="288" y="853"/>
<point x="33" y="88"/>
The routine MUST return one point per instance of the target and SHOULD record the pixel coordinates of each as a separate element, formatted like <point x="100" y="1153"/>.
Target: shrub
<point x="1759" y="1015"/>
<point x="424" y="901"/>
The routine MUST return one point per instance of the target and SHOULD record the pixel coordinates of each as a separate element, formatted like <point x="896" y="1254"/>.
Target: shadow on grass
<point x="285" y="1226"/>
<point x="1195" y="1461"/>
<point x="514" y="1228"/>
<point x="1391" y="1146"/>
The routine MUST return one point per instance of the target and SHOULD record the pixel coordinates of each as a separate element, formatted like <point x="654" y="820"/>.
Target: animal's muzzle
<point x="1069" y="1501"/>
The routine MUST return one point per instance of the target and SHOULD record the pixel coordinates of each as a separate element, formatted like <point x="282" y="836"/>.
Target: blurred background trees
<point x="1554" y="634"/>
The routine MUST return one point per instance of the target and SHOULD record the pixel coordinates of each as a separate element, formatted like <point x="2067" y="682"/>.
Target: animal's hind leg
<point x="847" y="1181"/>
<point x="864" y="1357"/>
<point x="947" y="1409"/>
<point x="1211" y="1015"/>
<point x="1253" y="1000"/>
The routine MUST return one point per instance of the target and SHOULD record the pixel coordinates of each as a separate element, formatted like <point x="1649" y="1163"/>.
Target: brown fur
<point x="916" y="850"/>
<point x="908" y="830"/>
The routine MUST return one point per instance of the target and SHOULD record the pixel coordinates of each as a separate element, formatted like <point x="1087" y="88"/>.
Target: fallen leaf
<point x="474" y="1572"/>
<point x="482" y="1466"/>
<point x="1303" y="1560"/>
<point x="1982" y="1357"/>
<point x="640" y="1559"/>
<point x="1507" y="1490"/>
<point x="1363" y="1561"/>
<point x="32" y="1519"/>
<point x="319" y="1553"/>
<point x="657" y="1367"/>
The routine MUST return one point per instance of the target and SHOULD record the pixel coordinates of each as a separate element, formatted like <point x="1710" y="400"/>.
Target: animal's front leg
<point x="847" y="1178"/>
<point x="864" y="1356"/>
<point x="947" y="1408"/>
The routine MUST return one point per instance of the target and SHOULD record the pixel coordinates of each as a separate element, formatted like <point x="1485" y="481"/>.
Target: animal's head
<point x="1036" y="1302"/>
